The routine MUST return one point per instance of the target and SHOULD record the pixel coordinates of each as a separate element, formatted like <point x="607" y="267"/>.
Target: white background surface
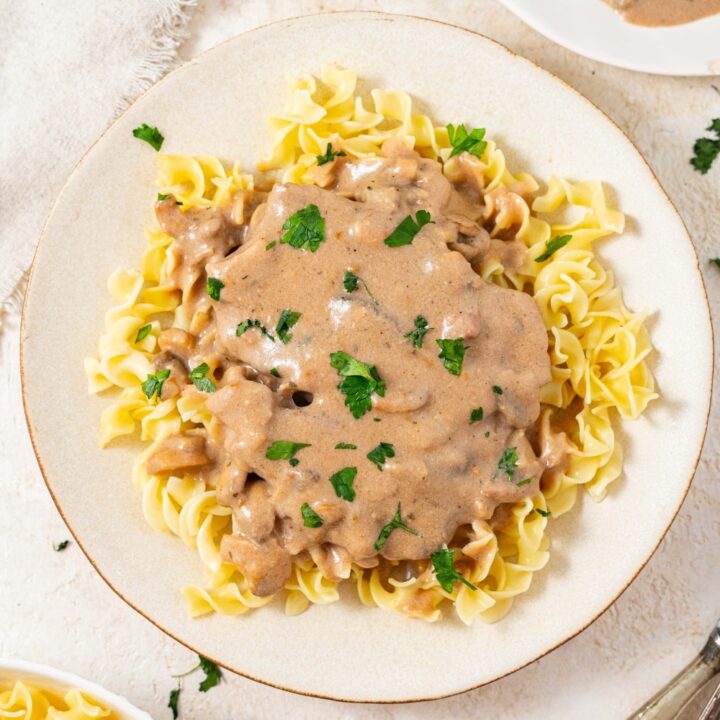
<point x="55" y="608"/>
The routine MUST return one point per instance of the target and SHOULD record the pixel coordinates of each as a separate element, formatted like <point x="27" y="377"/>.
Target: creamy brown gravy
<point x="659" y="13"/>
<point x="445" y="473"/>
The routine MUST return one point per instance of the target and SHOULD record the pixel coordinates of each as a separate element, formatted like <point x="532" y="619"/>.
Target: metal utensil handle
<point x="712" y="709"/>
<point x="669" y="701"/>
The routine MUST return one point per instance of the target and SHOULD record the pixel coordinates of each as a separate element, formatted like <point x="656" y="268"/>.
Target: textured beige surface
<point x="649" y="634"/>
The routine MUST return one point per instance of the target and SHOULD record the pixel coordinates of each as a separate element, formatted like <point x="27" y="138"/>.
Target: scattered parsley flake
<point x="360" y="382"/>
<point x="395" y="524"/>
<point x="162" y="196"/>
<point x="716" y="261"/>
<point x="310" y="518"/>
<point x="212" y="674"/>
<point x="271" y="245"/>
<point x="154" y="383"/>
<point x="329" y="155"/>
<point x="350" y="283"/>
<point x="288" y="319"/>
<point x="421" y="329"/>
<point x="452" y="353"/>
<point x="59" y="547"/>
<point x="443" y="562"/>
<point x="151" y="135"/>
<point x="294" y="462"/>
<point x="497" y="389"/>
<point x="173" y="701"/>
<point x="464" y="141"/>
<point x="342" y="481"/>
<point x="213" y="287"/>
<point x="245" y="325"/>
<point x="379" y="454"/>
<point x="345" y="446"/>
<point x="406" y="231"/>
<point x="305" y="229"/>
<point x="508" y="462"/>
<point x="552" y="246"/>
<point x="143" y="332"/>
<point x="544" y="513"/>
<point x="706" y="149"/>
<point x="526" y="481"/>
<point x="200" y="380"/>
<point x="476" y="415"/>
<point x="284" y="449"/>
<point x="487" y="433"/>
<point x="275" y="372"/>
<point x="377" y="419"/>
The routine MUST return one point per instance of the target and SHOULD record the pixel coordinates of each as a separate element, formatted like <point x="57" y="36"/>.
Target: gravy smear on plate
<point x="661" y="13"/>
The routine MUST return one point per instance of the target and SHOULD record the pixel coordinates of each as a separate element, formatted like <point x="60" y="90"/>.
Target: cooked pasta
<point x="598" y="352"/>
<point x="25" y="701"/>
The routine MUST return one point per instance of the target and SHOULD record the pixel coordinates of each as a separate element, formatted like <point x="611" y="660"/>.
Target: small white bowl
<point x="45" y="677"/>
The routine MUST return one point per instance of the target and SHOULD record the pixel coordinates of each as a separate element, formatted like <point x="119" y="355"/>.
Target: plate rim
<point x="512" y="54"/>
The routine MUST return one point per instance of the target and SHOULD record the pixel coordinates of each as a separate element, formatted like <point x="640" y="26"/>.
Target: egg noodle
<point x="598" y="350"/>
<point x="26" y="702"/>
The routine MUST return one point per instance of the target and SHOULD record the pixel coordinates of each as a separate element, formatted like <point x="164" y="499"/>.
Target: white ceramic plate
<point x="217" y="104"/>
<point x="592" y="28"/>
<point x="58" y="681"/>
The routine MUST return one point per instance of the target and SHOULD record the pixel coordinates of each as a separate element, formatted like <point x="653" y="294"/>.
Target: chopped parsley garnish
<point x="443" y="562"/>
<point x="310" y="518"/>
<point x="395" y="524"/>
<point x="497" y="389"/>
<point x="329" y="155"/>
<point x="360" y="382"/>
<point x="287" y="320"/>
<point x="452" y="353"/>
<point x="275" y="372"/>
<point x="526" y="481"/>
<point x="143" y="332"/>
<point x="345" y="446"/>
<point x="200" y="380"/>
<point x="508" y="462"/>
<point x="487" y="433"/>
<point x="706" y="149"/>
<point x="464" y="141"/>
<point x="379" y="454"/>
<point x="552" y="246"/>
<point x="716" y="261"/>
<point x="252" y="323"/>
<point x="271" y="245"/>
<point x="173" y="701"/>
<point x="284" y="449"/>
<point x="342" y="481"/>
<point x="350" y="283"/>
<point x="59" y="547"/>
<point x="212" y="674"/>
<point x="406" y="231"/>
<point x="151" y="135"/>
<point x="476" y="415"/>
<point x="162" y="196"/>
<point x="294" y="462"/>
<point x="154" y="383"/>
<point x="214" y="286"/>
<point x="305" y="229"/>
<point x="544" y="513"/>
<point x="421" y="329"/>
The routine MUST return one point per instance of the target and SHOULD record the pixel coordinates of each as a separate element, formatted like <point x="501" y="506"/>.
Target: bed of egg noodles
<point x="598" y="350"/>
<point x="24" y="701"/>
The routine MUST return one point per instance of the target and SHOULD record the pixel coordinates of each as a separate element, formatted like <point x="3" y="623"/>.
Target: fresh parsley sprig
<point x="143" y="332"/>
<point x="476" y="415"/>
<point x="212" y="677"/>
<point x="395" y="524"/>
<point x="284" y="450"/>
<point x="464" y="141"/>
<point x="342" y="481"/>
<point x="360" y="382"/>
<point x="245" y="325"/>
<point x="443" y="562"/>
<point x="380" y="454"/>
<point x="417" y="335"/>
<point x="406" y="231"/>
<point x="329" y="155"/>
<point x="59" y="547"/>
<point x="214" y="287"/>
<point x="508" y="462"/>
<point x="452" y="353"/>
<point x="351" y="281"/>
<point x="705" y="149"/>
<point x="305" y="229"/>
<point x="154" y="384"/>
<point x="287" y="320"/>
<point x="151" y="135"/>
<point x="345" y="446"/>
<point x="310" y="518"/>
<point x="199" y="378"/>
<point x="552" y="246"/>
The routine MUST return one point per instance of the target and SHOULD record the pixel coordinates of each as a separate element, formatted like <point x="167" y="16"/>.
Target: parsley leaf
<point x="361" y="381"/>
<point x="59" y="547"/>
<point x="275" y="372"/>
<point x="526" y="481"/>
<point x="173" y="701"/>
<point x="345" y="446"/>
<point x="329" y="155"/>
<point x="271" y="245"/>
<point x="552" y="246"/>
<point x="284" y="449"/>
<point x="310" y="518"/>
<point x="395" y="524"/>
<point x="200" y="380"/>
<point x="497" y="389"/>
<point x="162" y="196"/>
<point x="379" y="454"/>
<point x="154" y="383"/>
<point x="342" y="481"/>
<point x="508" y="462"/>
<point x="350" y="283"/>
<point x="212" y="674"/>
<point x="213" y="287"/>
<point x="406" y="231"/>
<point x="544" y="513"/>
<point x="421" y="329"/>
<point x="143" y="332"/>
<point x="452" y="353"/>
<point x="462" y="141"/>
<point x="287" y="320"/>
<point x="716" y="261"/>
<point x="150" y="135"/>
<point x="706" y="149"/>
<point x="245" y="325"/>
<point x="476" y="415"/>
<point x="305" y="229"/>
<point x="443" y="562"/>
